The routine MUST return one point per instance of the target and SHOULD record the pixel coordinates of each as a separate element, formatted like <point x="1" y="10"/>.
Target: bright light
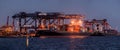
<point x="76" y="22"/>
<point x="75" y="25"/>
<point x="80" y="22"/>
<point x="9" y="29"/>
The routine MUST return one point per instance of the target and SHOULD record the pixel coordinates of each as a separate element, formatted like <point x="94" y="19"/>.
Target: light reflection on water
<point x="76" y="42"/>
<point x="71" y="42"/>
<point x="62" y="43"/>
<point x="81" y="37"/>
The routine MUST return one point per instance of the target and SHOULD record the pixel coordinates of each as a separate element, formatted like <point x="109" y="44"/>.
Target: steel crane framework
<point x="33" y="20"/>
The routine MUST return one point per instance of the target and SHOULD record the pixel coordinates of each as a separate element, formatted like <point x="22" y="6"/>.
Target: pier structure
<point x="45" y="20"/>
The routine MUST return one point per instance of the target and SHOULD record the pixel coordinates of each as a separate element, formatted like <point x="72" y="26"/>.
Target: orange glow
<point x="77" y="36"/>
<point x="41" y="26"/>
<point x="43" y="37"/>
<point x="76" y="22"/>
<point x="8" y="29"/>
<point x="75" y="25"/>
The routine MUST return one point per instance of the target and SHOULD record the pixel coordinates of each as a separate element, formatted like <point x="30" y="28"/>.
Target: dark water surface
<point x="62" y="43"/>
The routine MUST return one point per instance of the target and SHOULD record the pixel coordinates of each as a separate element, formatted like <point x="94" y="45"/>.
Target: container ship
<point x="55" y="24"/>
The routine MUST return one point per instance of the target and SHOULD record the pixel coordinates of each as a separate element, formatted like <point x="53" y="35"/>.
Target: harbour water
<point x="62" y="43"/>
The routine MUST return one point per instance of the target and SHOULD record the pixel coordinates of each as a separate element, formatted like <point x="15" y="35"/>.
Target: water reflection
<point x="73" y="41"/>
<point x="70" y="42"/>
<point x="62" y="43"/>
<point x="43" y="37"/>
<point x="72" y="45"/>
<point x="81" y="37"/>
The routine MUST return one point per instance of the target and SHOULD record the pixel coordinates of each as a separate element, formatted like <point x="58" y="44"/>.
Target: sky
<point x="98" y="9"/>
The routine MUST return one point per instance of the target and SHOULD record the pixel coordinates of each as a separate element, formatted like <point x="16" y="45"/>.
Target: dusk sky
<point x="98" y="9"/>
